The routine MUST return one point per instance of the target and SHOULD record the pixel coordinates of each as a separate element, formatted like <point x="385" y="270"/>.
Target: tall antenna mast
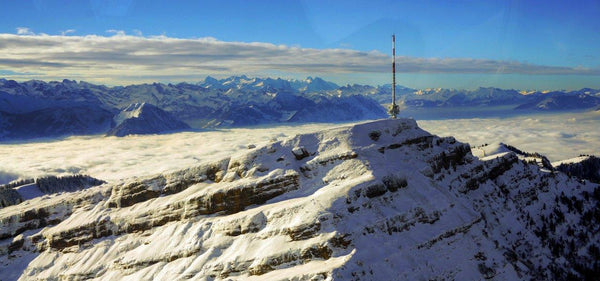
<point x="394" y="108"/>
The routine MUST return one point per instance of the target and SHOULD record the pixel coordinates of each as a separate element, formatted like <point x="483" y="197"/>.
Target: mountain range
<point x="45" y="109"/>
<point x="382" y="200"/>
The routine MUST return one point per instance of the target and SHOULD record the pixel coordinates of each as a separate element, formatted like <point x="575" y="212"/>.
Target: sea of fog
<point x="558" y="136"/>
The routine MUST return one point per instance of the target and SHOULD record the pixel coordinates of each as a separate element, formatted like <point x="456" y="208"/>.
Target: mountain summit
<point x="144" y="118"/>
<point x="383" y="200"/>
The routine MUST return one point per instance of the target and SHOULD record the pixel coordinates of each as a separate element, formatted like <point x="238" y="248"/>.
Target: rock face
<point x="144" y="118"/>
<point x="376" y="201"/>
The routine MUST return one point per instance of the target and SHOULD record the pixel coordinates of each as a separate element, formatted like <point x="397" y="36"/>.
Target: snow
<point x="430" y="228"/>
<point x="489" y="150"/>
<point x="570" y="161"/>
<point x="132" y="111"/>
<point x="142" y="118"/>
<point x="29" y="191"/>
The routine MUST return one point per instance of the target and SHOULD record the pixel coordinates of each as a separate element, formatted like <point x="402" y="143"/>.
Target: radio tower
<point x="394" y="110"/>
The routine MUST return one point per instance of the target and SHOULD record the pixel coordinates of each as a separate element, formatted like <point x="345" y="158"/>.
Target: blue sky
<point x="459" y="44"/>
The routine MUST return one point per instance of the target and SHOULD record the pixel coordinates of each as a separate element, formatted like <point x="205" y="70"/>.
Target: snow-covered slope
<point x="494" y="150"/>
<point x="18" y="191"/>
<point x="144" y="118"/>
<point x="383" y="200"/>
<point x="583" y="167"/>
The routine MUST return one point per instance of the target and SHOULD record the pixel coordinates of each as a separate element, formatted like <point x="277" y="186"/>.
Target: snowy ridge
<point x="18" y="191"/>
<point x="382" y="200"/>
<point x="575" y="160"/>
<point x="134" y="110"/>
<point x="494" y="150"/>
<point x="582" y="167"/>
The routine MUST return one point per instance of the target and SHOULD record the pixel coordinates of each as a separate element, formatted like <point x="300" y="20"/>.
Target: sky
<point x="541" y="45"/>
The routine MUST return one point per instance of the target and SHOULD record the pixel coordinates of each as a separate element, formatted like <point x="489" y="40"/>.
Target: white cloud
<point x="112" y="158"/>
<point x="125" y="57"/>
<point x="116" y="32"/>
<point x="24" y="31"/>
<point x="558" y="136"/>
<point x="66" y="32"/>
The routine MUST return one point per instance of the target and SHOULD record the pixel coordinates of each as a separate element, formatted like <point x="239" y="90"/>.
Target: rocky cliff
<point x="383" y="200"/>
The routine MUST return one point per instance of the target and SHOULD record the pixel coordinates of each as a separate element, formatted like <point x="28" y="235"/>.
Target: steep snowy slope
<point x="383" y="200"/>
<point x="144" y="118"/>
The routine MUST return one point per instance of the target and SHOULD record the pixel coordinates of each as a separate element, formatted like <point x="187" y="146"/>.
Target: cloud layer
<point x="558" y="136"/>
<point x="122" y="57"/>
<point x="113" y="158"/>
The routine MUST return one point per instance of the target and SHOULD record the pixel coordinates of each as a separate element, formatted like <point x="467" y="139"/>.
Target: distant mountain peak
<point x="144" y="118"/>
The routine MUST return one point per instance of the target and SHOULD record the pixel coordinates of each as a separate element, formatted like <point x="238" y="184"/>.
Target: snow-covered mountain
<point x="55" y="121"/>
<point x="315" y="84"/>
<point x="248" y="84"/>
<point x="562" y="101"/>
<point x="233" y="101"/>
<point x="144" y="118"/>
<point x="241" y="101"/>
<point x="457" y="98"/>
<point x="382" y="200"/>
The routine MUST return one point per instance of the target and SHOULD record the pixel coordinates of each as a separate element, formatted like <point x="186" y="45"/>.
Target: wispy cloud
<point x="66" y="32"/>
<point x="12" y="73"/>
<point x="116" y="32"/>
<point x="24" y="31"/>
<point x="121" y="57"/>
